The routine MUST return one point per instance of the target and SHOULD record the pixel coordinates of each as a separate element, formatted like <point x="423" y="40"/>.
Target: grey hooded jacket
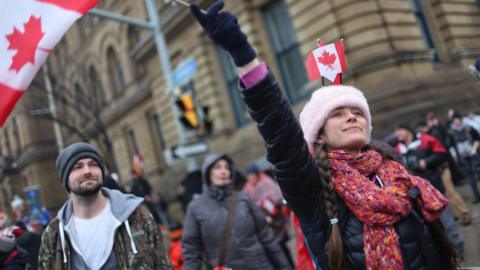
<point x="136" y="245"/>
<point x="252" y="245"/>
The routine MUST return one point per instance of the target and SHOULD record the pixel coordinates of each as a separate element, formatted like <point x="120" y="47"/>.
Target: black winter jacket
<point x="298" y="178"/>
<point x="431" y="150"/>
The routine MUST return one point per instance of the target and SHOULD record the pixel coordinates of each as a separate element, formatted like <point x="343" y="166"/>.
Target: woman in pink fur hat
<point x="358" y="208"/>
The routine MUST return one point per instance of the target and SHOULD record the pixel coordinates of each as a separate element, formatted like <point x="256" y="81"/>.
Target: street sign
<point x="184" y="72"/>
<point x="183" y="151"/>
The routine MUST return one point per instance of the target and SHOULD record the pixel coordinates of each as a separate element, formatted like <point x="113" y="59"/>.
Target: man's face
<point x="457" y="121"/>
<point x="252" y="177"/>
<point x="422" y="129"/>
<point x="85" y="178"/>
<point x="403" y="135"/>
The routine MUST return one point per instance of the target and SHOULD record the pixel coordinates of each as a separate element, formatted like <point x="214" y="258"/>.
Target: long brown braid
<point x="334" y="246"/>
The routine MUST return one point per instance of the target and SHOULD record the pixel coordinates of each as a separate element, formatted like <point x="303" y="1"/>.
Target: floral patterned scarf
<point x="380" y="208"/>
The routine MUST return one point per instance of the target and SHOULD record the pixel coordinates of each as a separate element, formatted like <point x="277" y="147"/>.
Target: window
<point x="231" y="79"/>
<point x="422" y="23"/>
<point x="157" y="124"/>
<point x="115" y="73"/>
<point x="286" y="48"/>
<point x="97" y="87"/>
<point x="133" y="141"/>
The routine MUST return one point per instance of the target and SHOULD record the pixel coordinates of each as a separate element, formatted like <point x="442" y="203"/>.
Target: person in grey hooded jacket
<point x="98" y="228"/>
<point x="251" y="246"/>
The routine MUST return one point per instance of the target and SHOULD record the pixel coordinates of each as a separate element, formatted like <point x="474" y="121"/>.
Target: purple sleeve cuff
<point x="255" y="75"/>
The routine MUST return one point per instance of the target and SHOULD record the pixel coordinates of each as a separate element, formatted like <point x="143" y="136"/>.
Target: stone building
<point x="409" y="57"/>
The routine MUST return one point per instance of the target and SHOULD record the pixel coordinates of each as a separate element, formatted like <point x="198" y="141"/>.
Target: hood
<point x="122" y="205"/>
<point x="208" y="163"/>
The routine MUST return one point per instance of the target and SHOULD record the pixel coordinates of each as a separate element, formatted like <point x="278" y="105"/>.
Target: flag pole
<point x="319" y="43"/>
<point x="341" y="74"/>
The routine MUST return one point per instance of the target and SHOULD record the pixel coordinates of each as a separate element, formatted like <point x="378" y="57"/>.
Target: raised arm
<point x="294" y="167"/>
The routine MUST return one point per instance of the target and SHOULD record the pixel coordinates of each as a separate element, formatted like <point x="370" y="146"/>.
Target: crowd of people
<point x="353" y="202"/>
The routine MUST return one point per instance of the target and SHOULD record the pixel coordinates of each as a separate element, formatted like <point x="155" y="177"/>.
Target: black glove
<point x="223" y="28"/>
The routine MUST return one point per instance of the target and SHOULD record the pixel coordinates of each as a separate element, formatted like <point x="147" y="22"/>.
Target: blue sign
<point x="184" y="72"/>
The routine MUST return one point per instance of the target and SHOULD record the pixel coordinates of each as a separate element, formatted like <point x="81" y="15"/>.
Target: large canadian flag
<point x="29" y="29"/>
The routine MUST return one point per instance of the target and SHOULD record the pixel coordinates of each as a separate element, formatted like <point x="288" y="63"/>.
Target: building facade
<point x="409" y="57"/>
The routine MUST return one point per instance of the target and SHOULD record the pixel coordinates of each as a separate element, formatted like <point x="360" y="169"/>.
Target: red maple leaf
<point x="327" y="59"/>
<point x="25" y="43"/>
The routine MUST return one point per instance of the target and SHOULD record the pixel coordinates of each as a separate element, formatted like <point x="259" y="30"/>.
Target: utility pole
<point x="153" y="25"/>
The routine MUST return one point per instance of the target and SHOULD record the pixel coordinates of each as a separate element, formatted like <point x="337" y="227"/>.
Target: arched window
<point x="115" y="73"/>
<point x="96" y="87"/>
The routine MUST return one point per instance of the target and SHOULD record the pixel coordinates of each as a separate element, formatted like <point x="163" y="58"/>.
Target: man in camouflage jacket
<point x="128" y="238"/>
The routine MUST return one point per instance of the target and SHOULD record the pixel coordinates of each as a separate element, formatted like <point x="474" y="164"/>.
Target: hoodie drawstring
<point x="132" y="243"/>
<point x="62" y="241"/>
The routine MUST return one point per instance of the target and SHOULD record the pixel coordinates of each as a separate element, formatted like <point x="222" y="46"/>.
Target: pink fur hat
<point x="326" y="99"/>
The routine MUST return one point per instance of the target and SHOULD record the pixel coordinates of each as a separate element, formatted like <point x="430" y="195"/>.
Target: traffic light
<point x="188" y="116"/>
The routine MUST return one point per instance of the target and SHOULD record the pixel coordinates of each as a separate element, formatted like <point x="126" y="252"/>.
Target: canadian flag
<point x="327" y="61"/>
<point x="29" y="29"/>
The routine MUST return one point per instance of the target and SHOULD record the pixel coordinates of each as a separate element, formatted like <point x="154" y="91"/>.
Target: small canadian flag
<point x="326" y="61"/>
<point x="29" y="29"/>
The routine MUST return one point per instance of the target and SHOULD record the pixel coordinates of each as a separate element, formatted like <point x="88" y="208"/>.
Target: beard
<point x="87" y="191"/>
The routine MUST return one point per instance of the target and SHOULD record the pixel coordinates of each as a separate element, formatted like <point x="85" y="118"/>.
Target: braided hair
<point x="334" y="245"/>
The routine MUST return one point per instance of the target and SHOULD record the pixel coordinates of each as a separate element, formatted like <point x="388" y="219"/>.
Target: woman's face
<point x="346" y="128"/>
<point x="220" y="173"/>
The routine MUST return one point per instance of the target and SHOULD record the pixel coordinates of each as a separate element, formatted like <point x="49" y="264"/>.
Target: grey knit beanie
<point x="73" y="153"/>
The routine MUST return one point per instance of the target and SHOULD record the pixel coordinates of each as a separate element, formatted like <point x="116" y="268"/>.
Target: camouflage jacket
<point x="147" y="240"/>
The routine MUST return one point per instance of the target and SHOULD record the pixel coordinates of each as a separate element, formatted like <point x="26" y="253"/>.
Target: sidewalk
<point x="470" y="233"/>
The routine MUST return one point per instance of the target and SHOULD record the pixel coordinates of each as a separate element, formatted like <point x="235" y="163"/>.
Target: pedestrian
<point x="440" y="132"/>
<point x="425" y="156"/>
<point x="260" y="186"/>
<point x="189" y="188"/>
<point x="471" y="119"/>
<point x="139" y="185"/>
<point x="110" y="182"/>
<point x="207" y="230"/>
<point x="266" y="193"/>
<point x="175" y="248"/>
<point x="98" y="228"/>
<point x="11" y="256"/>
<point x="355" y="205"/>
<point x="29" y="241"/>
<point x="466" y="140"/>
<point x="474" y="68"/>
